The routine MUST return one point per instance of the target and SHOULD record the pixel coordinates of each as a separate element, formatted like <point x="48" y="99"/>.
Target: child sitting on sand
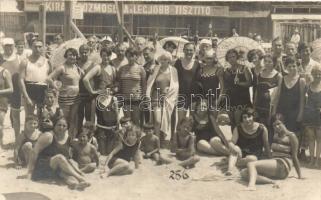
<point x="150" y="146"/>
<point x="85" y="154"/>
<point x="126" y="150"/>
<point x="185" y="141"/>
<point x="89" y="127"/>
<point x="26" y="141"/>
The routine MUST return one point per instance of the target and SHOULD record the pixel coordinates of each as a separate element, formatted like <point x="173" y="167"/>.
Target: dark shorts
<point x="36" y="92"/>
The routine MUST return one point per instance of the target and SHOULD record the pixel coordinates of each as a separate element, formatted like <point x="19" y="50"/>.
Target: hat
<point x="7" y="41"/>
<point x="124" y="120"/>
<point x="107" y="38"/>
<point x="205" y="41"/>
<point x="148" y="126"/>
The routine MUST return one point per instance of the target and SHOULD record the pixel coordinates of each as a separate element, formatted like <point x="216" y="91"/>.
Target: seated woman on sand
<point x="247" y="142"/>
<point x="50" y="158"/>
<point x="284" y="155"/>
<point x="212" y="130"/>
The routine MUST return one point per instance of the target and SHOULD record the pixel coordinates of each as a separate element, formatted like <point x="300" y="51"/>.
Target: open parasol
<point x="316" y="53"/>
<point x="243" y="44"/>
<point x="179" y="43"/>
<point x="57" y="57"/>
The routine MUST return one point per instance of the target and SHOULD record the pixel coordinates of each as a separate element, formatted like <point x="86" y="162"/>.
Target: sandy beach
<point x="204" y="182"/>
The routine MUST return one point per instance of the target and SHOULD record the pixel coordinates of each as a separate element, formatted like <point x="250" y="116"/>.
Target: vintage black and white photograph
<point x="161" y="100"/>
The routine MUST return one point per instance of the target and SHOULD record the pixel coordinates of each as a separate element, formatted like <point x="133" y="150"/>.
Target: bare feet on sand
<point x="251" y="188"/>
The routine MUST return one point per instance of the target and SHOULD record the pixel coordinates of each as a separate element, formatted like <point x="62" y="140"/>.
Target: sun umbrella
<point x="57" y="57"/>
<point x="179" y="43"/>
<point x="243" y="44"/>
<point x="316" y="53"/>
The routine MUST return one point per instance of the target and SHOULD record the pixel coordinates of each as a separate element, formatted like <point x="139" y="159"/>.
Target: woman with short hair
<point x="69" y="75"/>
<point x="162" y="88"/>
<point x="284" y="155"/>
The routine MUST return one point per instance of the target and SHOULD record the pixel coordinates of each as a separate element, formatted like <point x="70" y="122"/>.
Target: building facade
<point x="166" y="18"/>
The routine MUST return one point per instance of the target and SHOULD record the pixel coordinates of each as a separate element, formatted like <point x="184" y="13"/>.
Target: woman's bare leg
<point x="157" y="114"/>
<point x="2" y="115"/>
<point x="26" y="150"/>
<point x="219" y="147"/>
<point x="73" y="126"/>
<point x="318" y="150"/>
<point x="120" y="167"/>
<point x="242" y="163"/>
<point x="71" y="181"/>
<point x="232" y="161"/>
<point x="59" y="161"/>
<point x="309" y="132"/>
<point x="205" y="147"/>
<point x="265" y="169"/>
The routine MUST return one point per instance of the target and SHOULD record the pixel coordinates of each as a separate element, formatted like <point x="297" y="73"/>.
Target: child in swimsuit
<point x="85" y="154"/>
<point x="150" y="146"/>
<point x="126" y="150"/>
<point x="89" y="127"/>
<point x="185" y="150"/>
<point x="26" y="141"/>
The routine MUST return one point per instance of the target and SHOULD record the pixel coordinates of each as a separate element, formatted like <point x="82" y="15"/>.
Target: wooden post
<point x="121" y="12"/>
<point x="42" y="22"/>
<point x="67" y="20"/>
<point x="120" y="19"/>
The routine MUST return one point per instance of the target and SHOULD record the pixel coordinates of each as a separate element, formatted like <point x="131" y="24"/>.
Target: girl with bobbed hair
<point x="283" y="156"/>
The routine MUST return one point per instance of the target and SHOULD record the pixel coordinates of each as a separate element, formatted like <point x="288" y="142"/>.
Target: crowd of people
<point x="124" y="99"/>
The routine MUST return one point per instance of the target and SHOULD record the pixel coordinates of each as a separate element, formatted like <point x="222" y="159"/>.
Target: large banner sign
<point x="137" y="9"/>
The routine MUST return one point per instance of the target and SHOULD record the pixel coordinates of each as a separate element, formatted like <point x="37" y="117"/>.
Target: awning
<point x="249" y="14"/>
<point x="295" y="17"/>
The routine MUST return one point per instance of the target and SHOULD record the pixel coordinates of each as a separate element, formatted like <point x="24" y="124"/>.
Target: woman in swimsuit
<point x="210" y="81"/>
<point x="255" y="57"/>
<point x="267" y="80"/>
<point x="50" y="158"/>
<point x="312" y="116"/>
<point x="132" y="86"/>
<point x="237" y="80"/>
<point x="289" y="99"/>
<point x="104" y="76"/>
<point x="69" y="74"/>
<point x="247" y="143"/>
<point x="284" y="155"/>
<point x="162" y="87"/>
